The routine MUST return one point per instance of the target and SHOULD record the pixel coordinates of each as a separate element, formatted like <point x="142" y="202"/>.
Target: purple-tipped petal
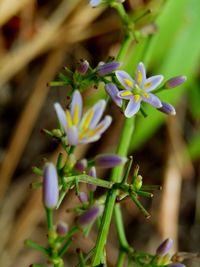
<point x="83" y="197"/>
<point x="125" y="79"/>
<point x="107" y="68"/>
<point x="72" y="136"/>
<point x="112" y="90"/>
<point x="50" y="186"/>
<point x="175" y="81"/>
<point x="125" y="94"/>
<point x="92" y="172"/>
<point x="76" y="107"/>
<point x="176" y="264"/>
<point x="82" y="67"/>
<point x="132" y="108"/>
<point x="140" y="74"/>
<point x="98" y="110"/>
<point x="109" y="160"/>
<point x="90" y="215"/>
<point x="95" y="3"/>
<point x="152" y="100"/>
<point x="167" y="109"/>
<point x="153" y="82"/>
<point x="61" y="116"/>
<point x="81" y="165"/>
<point x="62" y="228"/>
<point x="164" y="247"/>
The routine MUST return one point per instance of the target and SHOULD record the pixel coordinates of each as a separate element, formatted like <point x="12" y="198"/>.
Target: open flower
<point x="138" y="90"/>
<point x="82" y="129"/>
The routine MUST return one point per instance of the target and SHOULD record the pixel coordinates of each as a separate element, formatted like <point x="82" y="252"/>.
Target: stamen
<point x="146" y="95"/>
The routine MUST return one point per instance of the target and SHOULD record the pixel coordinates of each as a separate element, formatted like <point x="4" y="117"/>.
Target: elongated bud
<point x="175" y="81"/>
<point x="71" y="160"/>
<point x="90" y="215"/>
<point x="81" y="165"/>
<point x="92" y="172"/>
<point x="83" y="197"/>
<point x="109" y="160"/>
<point x="83" y="66"/>
<point x="167" y="109"/>
<point x="107" y="68"/>
<point x="138" y="182"/>
<point x="50" y="186"/>
<point x="62" y="228"/>
<point x="113" y="92"/>
<point x="176" y="264"/>
<point x="164" y="247"/>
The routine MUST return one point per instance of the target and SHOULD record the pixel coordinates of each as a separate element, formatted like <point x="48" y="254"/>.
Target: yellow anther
<point x="128" y="82"/>
<point x="137" y="98"/>
<point x="75" y="117"/>
<point x="146" y="95"/>
<point x="88" y="120"/>
<point x="69" y="119"/>
<point x="139" y="76"/>
<point x="147" y="85"/>
<point x="126" y="93"/>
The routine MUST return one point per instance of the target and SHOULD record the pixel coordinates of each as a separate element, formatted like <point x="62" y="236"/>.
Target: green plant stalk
<point x="111" y="197"/>
<point x="121" y="259"/>
<point x="49" y="214"/>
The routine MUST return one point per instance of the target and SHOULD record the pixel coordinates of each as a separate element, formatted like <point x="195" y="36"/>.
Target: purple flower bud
<point x="92" y="172"/>
<point x="107" y="68"/>
<point x="90" y="215"/>
<point x="83" y="197"/>
<point x="176" y="264"/>
<point x="62" y="228"/>
<point x="164" y="247"/>
<point x="167" y="109"/>
<point x="83" y="66"/>
<point x="175" y="81"/>
<point x="109" y="160"/>
<point x="81" y="165"/>
<point x="50" y="186"/>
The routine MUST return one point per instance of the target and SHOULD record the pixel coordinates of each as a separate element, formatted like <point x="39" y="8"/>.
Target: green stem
<point x="111" y="197"/>
<point x="121" y="258"/>
<point x="36" y="246"/>
<point x="49" y="214"/>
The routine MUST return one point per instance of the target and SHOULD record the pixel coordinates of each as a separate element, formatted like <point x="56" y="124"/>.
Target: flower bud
<point x="164" y="247"/>
<point x="106" y="68"/>
<point x="176" y="264"/>
<point x="138" y="182"/>
<point x="50" y="186"/>
<point x="83" y="66"/>
<point x="112" y="90"/>
<point x="90" y="215"/>
<point x="62" y="228"/>
<point x="175" y="81"/>
<point x="81" y="165"/>
<point x="167" y="109"/>
<point x="83" y="197"/>
<point x="92" y="172"/>
<point x="109" y="160"/>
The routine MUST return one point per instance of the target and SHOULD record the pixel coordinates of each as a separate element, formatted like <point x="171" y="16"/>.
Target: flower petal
<point x="132" y="108"/>
<point x="107" y="68"/>
<point x="72" y="136"/>
<point x="125" y="79"/>
<point x="98" y="110"/>
<point x="76" y="107"/>
<point x="125" y="94"/>
<point x="95" y="3"/>
<point x="140" y="74"/>
<point x="61" y="116"/>
<point x="152" y="100"/>
<point x="153" y="82"/>
<point x="113" y="91"/>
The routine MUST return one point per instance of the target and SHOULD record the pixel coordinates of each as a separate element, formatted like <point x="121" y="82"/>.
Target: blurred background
<point x="37" y="39"/>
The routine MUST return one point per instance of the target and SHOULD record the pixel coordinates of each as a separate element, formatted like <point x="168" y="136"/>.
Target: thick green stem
<point x="49" y="213"/>
<point x="111" y="197"/>
<point x="121" y="259"/>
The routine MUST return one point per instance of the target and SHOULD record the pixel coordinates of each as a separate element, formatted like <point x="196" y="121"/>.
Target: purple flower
<point x="113" y="92"/>
<point x="83" y="66"/>
<point x="92" y="172"/>
<point x="109" y="160"/>
<point x="106" y="68"/>
<point x="175" y="81"/>
<point x="83" y="197"/>
<point x="164" y="247"/>
<point x="138" y="90"/>
<point x="81" y="165"/>
<point x="62" y="228"/>
<point x="95" y="3"/>
<point x="167" y="108"/>
<point x="90" y="215"/>
<point x="50" y="186"/>
<point x="82" y="129"/>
